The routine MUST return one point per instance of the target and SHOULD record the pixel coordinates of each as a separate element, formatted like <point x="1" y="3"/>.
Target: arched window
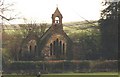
<point x="57" y="48"/>
<point x="63" y="49"/>
<point x="51" y="49"/>
<point x="35" y="48"/>
<point x="56" y="19"/>
<point x="32" y="46"/>
<point x="60" y="47"/>
<point x="54" y="48"/>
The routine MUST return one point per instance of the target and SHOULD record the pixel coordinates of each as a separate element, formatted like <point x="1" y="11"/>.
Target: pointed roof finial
<point x="56" y="5"/>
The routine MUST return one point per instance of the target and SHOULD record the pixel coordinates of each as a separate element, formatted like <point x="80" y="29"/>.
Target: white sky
<point x="41" y="10"/>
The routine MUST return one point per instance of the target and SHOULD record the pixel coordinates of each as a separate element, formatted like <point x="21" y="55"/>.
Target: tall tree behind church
<point x="109" y="30"/>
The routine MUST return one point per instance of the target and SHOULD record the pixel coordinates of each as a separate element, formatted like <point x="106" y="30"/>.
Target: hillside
<point x="81" y="25"/>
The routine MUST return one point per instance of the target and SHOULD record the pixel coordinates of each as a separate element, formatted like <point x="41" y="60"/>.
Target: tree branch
<point x="8" y="19"/>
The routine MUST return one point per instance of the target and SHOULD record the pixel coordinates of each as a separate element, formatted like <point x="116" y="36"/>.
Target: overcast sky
<point x="72" y="10"/>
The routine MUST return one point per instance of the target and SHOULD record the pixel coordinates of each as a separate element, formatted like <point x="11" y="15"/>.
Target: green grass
<point x="70" y="75"/>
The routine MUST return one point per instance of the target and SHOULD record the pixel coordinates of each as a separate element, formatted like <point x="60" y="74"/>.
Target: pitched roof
<point x="57" y="11"/>
<point x="47" y="35"/>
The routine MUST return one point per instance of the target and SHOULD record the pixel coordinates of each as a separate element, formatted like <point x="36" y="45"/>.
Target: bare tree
<point x="30" y="29"/>
<point x="3" y="8"/>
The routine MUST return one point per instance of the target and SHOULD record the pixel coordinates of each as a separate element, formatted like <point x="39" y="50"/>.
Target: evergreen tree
<point x="109" y="30"/>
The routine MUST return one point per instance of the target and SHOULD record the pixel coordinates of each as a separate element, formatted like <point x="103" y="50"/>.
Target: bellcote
<point x="57" y="18"/>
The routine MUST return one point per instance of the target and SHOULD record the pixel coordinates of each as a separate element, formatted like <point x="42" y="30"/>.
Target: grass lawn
<point x="71" y="75"/>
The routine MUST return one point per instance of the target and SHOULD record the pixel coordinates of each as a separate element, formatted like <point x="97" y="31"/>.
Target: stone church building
<point x="54" y="44"/>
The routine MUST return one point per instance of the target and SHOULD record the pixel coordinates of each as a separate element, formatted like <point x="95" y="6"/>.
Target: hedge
<point x="63" y="66"/>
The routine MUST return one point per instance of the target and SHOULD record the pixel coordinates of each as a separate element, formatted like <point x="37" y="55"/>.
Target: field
<point x="70" y="75"/>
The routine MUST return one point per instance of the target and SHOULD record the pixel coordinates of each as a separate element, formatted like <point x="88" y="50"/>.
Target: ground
<point x="111" y="74"/>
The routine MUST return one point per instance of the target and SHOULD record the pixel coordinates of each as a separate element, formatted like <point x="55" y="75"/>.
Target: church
<point x="54" y="44"/>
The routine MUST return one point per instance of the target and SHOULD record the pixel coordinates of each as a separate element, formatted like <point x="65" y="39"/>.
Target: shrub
<point x="62" y="66"/>
<point x="106" y="66"/>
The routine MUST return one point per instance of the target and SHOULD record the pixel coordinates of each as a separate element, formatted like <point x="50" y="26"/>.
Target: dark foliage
<point x="109" y="31"/>
<point x="61" y="66"/>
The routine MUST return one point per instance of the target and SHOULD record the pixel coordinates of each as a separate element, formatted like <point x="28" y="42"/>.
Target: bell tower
<point x="57" y="19"/>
